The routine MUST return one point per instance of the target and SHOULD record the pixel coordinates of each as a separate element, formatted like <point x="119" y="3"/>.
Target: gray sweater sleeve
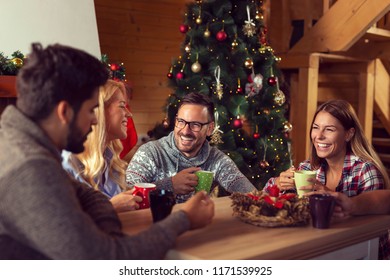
<point x="143" y="168"/>
<point x="64" y="222"/>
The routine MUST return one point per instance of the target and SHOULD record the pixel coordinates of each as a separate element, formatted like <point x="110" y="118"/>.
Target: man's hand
<point x="344" y="205"/>
<point x="199" y="209"/>
<point x="185" y="181"/>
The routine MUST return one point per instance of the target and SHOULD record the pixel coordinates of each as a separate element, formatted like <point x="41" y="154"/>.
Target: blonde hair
<point x="96" y="143"/>
<point x="359" y="145"/>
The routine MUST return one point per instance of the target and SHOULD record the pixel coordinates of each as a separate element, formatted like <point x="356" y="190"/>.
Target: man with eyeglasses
<point x="171" y="162"/>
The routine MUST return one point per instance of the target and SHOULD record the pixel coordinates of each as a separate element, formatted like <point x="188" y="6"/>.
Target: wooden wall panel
<point x="145" y="36"/>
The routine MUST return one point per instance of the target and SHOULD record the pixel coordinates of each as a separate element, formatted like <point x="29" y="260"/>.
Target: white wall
<point x="68" y="22"/>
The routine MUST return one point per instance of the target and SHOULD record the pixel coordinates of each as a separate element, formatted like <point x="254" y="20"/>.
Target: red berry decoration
<point x="180" y="75"/>
<point x="221" y="36"/>
<point x="272" y="80"/>
<point x="256" y="135"/>
<point x="273" y="191"/>
<point x="170" y="75"/>
<point x="183" y="28"/>
<point x="237" y="123"/>
<point x="114" y="67"/>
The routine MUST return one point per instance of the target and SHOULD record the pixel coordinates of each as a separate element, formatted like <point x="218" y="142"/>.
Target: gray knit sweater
<point x="157" y="161"/>
<point x="44" y="214"/>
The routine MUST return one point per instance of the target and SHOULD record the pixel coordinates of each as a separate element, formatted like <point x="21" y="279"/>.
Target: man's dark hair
<point x="57" y="73"/>
<point x="199" y="99"/>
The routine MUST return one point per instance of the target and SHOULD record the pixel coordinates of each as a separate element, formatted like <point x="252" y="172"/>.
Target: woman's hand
<point x="125" y="201"/>
<point x="285" y="181"/>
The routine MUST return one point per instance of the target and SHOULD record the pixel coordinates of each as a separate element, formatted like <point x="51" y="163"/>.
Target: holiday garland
<point x="11" y="66"/>
<point x="116" y="71"/>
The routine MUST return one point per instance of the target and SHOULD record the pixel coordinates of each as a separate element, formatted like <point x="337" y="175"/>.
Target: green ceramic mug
<point x="205" y="180"/>
<point x="301" y="179"/>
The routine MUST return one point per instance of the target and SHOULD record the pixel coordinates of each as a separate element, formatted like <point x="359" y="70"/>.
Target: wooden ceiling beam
<point x="342" y="26"/>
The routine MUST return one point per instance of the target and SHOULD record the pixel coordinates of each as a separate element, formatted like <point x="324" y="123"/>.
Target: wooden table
<point x="230" y="238"/>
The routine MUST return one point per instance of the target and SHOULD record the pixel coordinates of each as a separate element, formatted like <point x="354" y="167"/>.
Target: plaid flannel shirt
<point x="357" y="176"/>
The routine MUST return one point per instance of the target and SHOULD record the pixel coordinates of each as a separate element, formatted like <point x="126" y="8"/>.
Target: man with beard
<point x="171" y="162"/>
<point x="44" y="213"/>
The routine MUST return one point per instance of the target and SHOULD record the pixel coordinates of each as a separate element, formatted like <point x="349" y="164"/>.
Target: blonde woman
<point x="100" y="165"/>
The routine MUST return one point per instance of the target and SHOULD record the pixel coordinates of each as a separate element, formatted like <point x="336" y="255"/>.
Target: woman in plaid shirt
<point x="341" y="154"/>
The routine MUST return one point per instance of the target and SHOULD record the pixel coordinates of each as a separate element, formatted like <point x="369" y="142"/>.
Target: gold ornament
<point x="198" y="20"/>
<point x="206" y="33"/>
<point x="249" y="29"/>
<point x="187" y="48"/>
<point x="18" y="62"/>
<point x="196" y="67"/>
<point x="248" y="63"/>
<point x="234" y="44"/>
<point x="219" y="86"/>
<point x="279" y="98"/>
<point x="264" y="164"/>
<point x="216" y="138"/>
<point x="266" y="111"/>
<point x="219" y="90"/>
<point x="287" y="127"/>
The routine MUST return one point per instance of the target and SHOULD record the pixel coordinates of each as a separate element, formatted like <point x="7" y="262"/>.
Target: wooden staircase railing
<point x="342" y="26"/>
<point x="349" y="33"/>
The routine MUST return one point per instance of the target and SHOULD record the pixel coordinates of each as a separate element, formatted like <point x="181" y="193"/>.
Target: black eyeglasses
<point x="194" y="126"/>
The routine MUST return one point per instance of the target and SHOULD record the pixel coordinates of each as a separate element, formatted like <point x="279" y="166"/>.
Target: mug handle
<point x="139" y="193"/>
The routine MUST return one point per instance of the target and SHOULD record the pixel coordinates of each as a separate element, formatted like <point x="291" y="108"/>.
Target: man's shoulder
<point x="155" y="144"/>
<point x="215" y="152"/>
<point x="19" y="155"/>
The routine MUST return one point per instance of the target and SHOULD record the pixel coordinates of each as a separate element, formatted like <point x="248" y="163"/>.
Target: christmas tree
<point x="225" y="55"/>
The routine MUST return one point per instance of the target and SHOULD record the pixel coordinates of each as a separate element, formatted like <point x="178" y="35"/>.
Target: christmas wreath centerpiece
<point x="271" y="208"/>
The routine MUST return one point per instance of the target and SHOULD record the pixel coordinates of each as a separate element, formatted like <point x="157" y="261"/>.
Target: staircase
<point x="381" y="142"/>
<point x="342" y="51"/>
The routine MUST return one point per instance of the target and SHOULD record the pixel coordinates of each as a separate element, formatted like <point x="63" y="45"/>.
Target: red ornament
<point x="256" y="135"/>
<point x="165" y="123"/>
<point x="239" y="90"/>
<point x="272" y="80"/>
<point x="221" y="36"/>
<point x="114" y="67"/>
<point x="180" y="75"/>
<point x="263" y="40"/>
<point x="170" y="75"/>
<point x="237" y="123"/>
<point x="183" y="28"/>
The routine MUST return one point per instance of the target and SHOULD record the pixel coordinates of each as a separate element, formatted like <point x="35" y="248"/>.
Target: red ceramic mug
<point x="142" y="190"/>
